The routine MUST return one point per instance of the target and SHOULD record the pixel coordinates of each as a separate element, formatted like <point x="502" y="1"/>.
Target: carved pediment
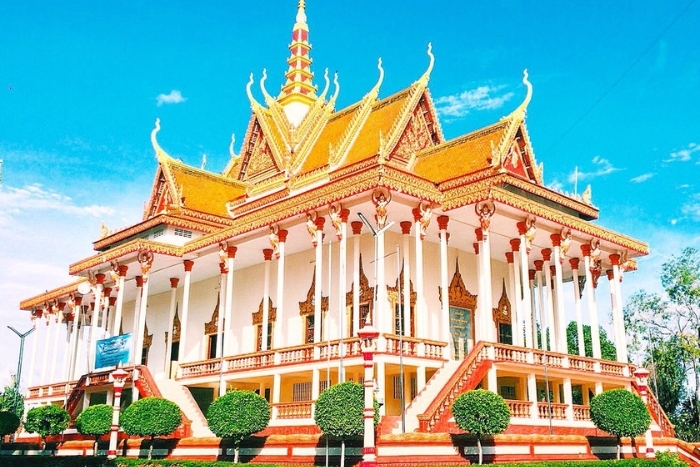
<point x="212" y="327"/>
<point x="176" y="327"/>
<point x="258" y="315"/>
<point x="306" y="308"/>
<point x="366" y="292"/>
<point x="392" y="291"/>
<point x="502" y="314"/>
<point x="459" y="296"/>
<point x="147" y="338"/>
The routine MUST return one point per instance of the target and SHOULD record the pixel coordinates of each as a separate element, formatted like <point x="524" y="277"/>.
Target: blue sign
<point x="112" y="351"/>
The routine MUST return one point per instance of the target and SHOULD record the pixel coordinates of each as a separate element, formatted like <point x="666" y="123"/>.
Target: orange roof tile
<point x="330" y="135"/>
<point x="461" y="156"/>
<point x="382" y="118"/>
<point x="275" y="137"/>
<point x="203" y="191"/>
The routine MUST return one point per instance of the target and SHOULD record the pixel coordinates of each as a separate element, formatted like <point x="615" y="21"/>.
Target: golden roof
<point x="329" y="139"/>
<point x="467" y="154"/>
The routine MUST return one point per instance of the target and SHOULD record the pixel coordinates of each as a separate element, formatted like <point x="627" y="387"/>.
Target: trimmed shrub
<point x="9" y="422"/>
<point x="481" y="413"/>
<point x="151" y="416"/>
<point x="237" y="415"/>
<point x="339" y="412"/>
<point x="95" y="421"/>
<point x="47" y="420"/>
<point x="620" y="413"/>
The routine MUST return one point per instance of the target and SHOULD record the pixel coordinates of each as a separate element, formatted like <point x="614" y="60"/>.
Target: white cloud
<point x="602" y="167"/>
<point x="480" y="98"/>
<point x="685" y="154"/>
<point x="642" y="178"/>
<point x="175" y="97"/>
<point x="35" y="197"/>
<point x="691" y="207"/>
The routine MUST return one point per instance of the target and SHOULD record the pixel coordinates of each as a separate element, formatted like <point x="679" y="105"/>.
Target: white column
<point x="231" y="341"/>
<point x="57" y="342"/>
<point x="222" y="307"/>
<point x="356" y="232"/>
<point x="120" y="300"/>
<point x="185" y="311"/>
<point x="142" y="320"/>
<point x="318" y="281"/>
<point x="620" y="328"/>
<point x="110" y="303"/>
<point x="532" y="395"/>
<point x="343" y="278"/>
<point x="619" y="342"/>
<point x="527" y="311"/>
<point x="479" y="325"/>
<point x="574" y="262"/>
<point x="381" y="386"/>
<point x="421" y="306"/>
<point x="97" y="316"/>
<point x="278" y="333"/>
<point x="541" y="307"/>
<point x="533" y="307"/>
<point x="382" y="315"/>
<point x="77" y="312"/>
<point x="514" y="292"/>
<point x="35" y="345"/>
<point x="171" y="317"/>
<point x="136" y="351"/>
<point x="559" y="293"/>
<point x="549" y="301"/>
<point x="276" y="385"/>
<point x="590" y="298"/>
<point x="487" y="289"/>
<point x="267" y="253"/>
<point x="444" y="285"/>
<point x="406" y="292"/>
<point x="568" y="399"/>
<point x="47" y="347"/>
<point x="68" y="353"/>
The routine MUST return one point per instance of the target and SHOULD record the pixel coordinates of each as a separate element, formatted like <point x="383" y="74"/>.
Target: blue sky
<point x="616" y="94"/>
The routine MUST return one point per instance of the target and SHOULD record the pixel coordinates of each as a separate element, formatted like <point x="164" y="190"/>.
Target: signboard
<point x="112" y="351"/>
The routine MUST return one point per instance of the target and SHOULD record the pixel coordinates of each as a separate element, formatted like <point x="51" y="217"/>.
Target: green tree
<point x="481" y="413"/>
<point x="620" y="413"/>
<point x="237" y="415"/>
<point x="95" y="421"/>
<point x="607" y="348"/>
<point x="652" y="321"/>
<point x="46" y="420"/>
<point x="667" y="375"/>
<point x="339" y="413"/>
<point x="9" y="422"/>
<point x="11" y="399"/>
<point x="151" y="416"/>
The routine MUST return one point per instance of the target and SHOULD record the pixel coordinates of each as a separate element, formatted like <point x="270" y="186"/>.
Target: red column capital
<point x="320" y="222"/>
<point x="173" y="282"/>
<point x="547" y="254"/>
<point x="479" y="235"/>
<point x="586" y="250"/>
<point x="531" y="274"/>
<point x="100" y="278"/>
<point x="615" y="259"/>
<point x="231" y="250"/>
<point x="610" y="274"/>
<point x="282" y="235"/>
<point x="406" y="227"/>
<point x="574" y="263"/>
<point x="356" y="227"/>
<point x="139" y="281"/>
<point x="442" y="222"/>
<point x="107" y="291"/>
<point x="344" y="215"/>
<point x="112" y="301"/>
<point x="538" y="264"/>
<point x="515" y="244"/>
<point x="78" y="301"/>
<point x="188" y="265"/>
<point x="267" y="253"/>
<point x="509" y="257"/>
<point x="122" y="270"/>
<point x="556" y="239"/>
<point x="416" y="214"/>
<point x="476" y="248"/>
<point x="522" y="228"/>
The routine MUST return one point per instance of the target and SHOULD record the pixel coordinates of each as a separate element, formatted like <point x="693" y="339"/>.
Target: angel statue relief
<point x="426" y="212"/>
<point x="381" y="201"/>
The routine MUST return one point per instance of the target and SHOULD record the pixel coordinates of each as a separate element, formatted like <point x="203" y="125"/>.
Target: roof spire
<point x="298" y="87"/>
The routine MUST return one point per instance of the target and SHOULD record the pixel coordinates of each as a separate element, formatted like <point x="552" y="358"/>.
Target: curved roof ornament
<point x="522" y="108"/>
<point x="154" y="141"/>
<point x="268" y="98"/>
<point x="253" y="103"/>
<point x="230" y="147"/>
<point x="375" y="89"/>
<point x="337" y="88"/>
<point x="426" y="76"/>
<point x="328" y="83"/>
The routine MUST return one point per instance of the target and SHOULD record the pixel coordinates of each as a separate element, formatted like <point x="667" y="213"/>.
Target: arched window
<point x="211" y="330"/>
<point x="258" y="320"/>
<point x="503" y="319"/>
<point x="306" y="310"/>
<point x="462" y="306"/>
<point x="366" y="296"/>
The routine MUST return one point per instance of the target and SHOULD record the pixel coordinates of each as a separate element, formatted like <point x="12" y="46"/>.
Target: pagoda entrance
<point x="462" y="307"/>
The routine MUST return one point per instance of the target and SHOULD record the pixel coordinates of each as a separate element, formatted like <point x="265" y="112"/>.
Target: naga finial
<point x="375" y="89"/>
<point x="523" y="107"/>
<point x="253" y="103"/>
<point x="268" y="98"/>
<point x="337" y="88"/>
<point x="426" y="76"/>
<point x="230" y="146"/>
<point x="328" y="83"/>
<point x="154" y="141"/>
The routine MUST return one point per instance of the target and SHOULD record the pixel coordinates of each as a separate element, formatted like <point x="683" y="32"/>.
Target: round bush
<point x="151" y="416"/>
<point x="96" y="420"/>
<point x="47" y="420"/>
<point x="9" y="422"/>
<point x="238" y="414"/>
<point x="481" y="413"/>
<point x="620" y="413"/>
<point x="339" y="410"/>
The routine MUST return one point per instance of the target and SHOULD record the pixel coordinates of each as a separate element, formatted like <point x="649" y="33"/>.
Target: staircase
<point x="176" y="392"/>
<point x="466" y="376"/>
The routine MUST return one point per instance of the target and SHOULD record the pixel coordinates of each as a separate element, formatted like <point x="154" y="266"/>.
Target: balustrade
<point x="582" y="412"/>
<point x="557" y="411"/>
<point x="294" y="410"/>
<point x="519" y="409"/>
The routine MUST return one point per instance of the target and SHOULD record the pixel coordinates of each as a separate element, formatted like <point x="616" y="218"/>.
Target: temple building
<point x="259" y="277"/>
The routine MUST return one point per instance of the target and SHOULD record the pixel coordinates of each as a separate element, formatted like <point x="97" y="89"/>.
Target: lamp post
<point x="118" y="377"/>
<point x="368" y="337"/>
<point x="642" y="376"/>
<point x="21" y="355"/>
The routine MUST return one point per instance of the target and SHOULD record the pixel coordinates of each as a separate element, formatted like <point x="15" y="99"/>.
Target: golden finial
<point x="156" y="147"/>
<point x="104" y="231"/>
<point x="337" y="88"/>
<point x="375" y="89"/>
<point x="328" y="83"/>
<point x="523" y="107"/>
<point x="230" y="146"/>
<point x="268" y="98"/>
<point x="426" y="76"/>
<point x="253" y="103"/>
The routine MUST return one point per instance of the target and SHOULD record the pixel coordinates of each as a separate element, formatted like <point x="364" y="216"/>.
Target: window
<point x="399" y="325"/>
<point x="309" y="336"/>
<point x="211" y="351"/>
<point x="301" y="392"/>
<point x="144" y="356"/>
<point x="505" y="333"/>
<point x="323" y="385"/>
<point x="158" y="233"/>
<point x="270" y="327"/>
<point x="175" y="352"/>
<point x="398" y="387"/>
<point x="507" y="392"/>
<point x="183" y="233"/>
